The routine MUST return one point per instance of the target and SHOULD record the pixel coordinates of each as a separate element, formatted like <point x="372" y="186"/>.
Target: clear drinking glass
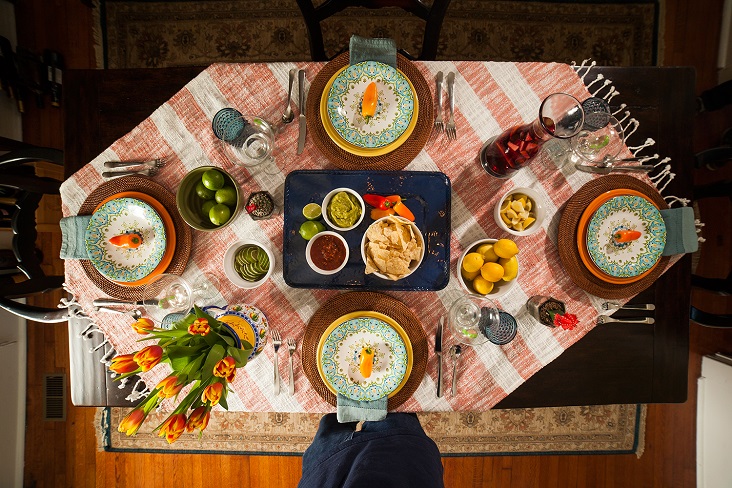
<point x="250" y="141"/>
<point x="166" y="294"/>
<point x="596" y="146"/>
<point x="471" y="318"/>
<point x="560" y="116"/>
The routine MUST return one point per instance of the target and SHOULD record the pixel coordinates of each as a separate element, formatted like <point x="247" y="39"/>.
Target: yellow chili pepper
<point x="370" y="101"/>
<point x="366" y="362"/>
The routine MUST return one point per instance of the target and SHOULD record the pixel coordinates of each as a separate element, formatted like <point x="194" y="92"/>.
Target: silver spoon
<point x="455" y="352"/>
<point x="136" y="314"/>
<point x="603" y="170"/>
<point x="288" y="116"/>
<point x="612" y="306"/>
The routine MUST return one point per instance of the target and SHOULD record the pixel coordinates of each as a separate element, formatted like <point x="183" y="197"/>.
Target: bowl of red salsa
<point x="327" y="252"/>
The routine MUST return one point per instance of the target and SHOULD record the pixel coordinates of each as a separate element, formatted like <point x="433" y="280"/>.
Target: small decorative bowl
<point x="500" y="288"/>
<point x="327" y="200"/>
<point x="537" y="208"/>
<point x="230" y="268"/>
<point x="189" y="203"/>
<point x="312" y="242"/>
<point x="414" y="264"/>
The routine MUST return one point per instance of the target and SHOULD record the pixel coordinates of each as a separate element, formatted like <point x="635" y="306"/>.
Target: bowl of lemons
<point x="208" y="198"/>
<point x="489" y="267"/>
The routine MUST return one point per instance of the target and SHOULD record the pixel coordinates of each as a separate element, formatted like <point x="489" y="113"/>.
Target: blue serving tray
<point x="427" y="194"/>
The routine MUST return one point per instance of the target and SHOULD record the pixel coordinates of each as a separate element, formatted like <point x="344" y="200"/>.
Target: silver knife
<point x="438" y="351"/>
<point x="611" y="320"/>
<point x="640" y="168"/>
<point x="107" y="302"/>
<point x="303" y="125"/>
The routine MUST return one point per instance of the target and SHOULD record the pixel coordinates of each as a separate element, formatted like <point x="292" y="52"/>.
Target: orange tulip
<point x="143" y="326"/>
<point x="168" y="387"/>
<point x="231" y="376"/>
<point x="212" y="393"/>
<point x="173" y="427"/>
<point x="199" y="326"/>
<point x="224" y="367"/>
<point x="148" y="357"/>
<point x="199" y="419"/>
<point x="132" y="422"/>
<point x="124" y="363"/>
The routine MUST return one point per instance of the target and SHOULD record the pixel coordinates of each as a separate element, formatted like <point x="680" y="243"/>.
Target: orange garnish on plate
<point x="370" y="101"/>
<point x="626" y="236"/>
<point x="366" y="362"/>
<point x="130" y="240"/>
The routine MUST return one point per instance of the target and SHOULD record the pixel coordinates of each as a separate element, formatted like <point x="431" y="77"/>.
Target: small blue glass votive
<point x="503" y="331"/>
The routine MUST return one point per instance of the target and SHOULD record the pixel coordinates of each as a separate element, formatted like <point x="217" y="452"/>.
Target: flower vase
<point x="543" y="309"/>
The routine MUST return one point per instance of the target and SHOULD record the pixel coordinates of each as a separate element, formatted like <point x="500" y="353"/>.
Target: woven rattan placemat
<point x="183" y="234"/>
<point x="567" y="241"/>
<point x="393" y="161"/>
<point x="345" y="303"/>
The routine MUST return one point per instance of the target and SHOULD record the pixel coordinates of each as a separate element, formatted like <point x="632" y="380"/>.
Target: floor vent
<point x="54" y="397"/>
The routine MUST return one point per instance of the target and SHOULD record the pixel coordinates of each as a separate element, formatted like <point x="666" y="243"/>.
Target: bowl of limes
<point x="248" y="263"/>
<point x="208" y="198"/>
<point x="489" y="267"/>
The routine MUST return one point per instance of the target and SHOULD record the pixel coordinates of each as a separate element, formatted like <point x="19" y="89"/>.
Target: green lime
<point x="310" y="228"/>
<point x="219" y="214"/>
<point x="213" y="179"/>
<point x="206" y="207"/>
<point x="226" y="195"/>
<point x="600" y="142"/>
<point x="203" y="192"/>
<point x="312" y="211"/>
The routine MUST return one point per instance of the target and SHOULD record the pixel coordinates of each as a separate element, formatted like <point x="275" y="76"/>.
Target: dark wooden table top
<point x="612" y="363"/>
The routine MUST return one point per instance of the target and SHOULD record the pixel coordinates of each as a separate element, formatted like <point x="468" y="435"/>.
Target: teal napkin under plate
<point x="348" y="410"/>
<point x="680" y="231"/>
<point x="73" y="235"/>
<point x="382" y="50"/>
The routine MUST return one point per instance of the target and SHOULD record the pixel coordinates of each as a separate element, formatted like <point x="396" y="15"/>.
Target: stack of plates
<point x="338" y="352"/>
<point x="130" y="212"/>
<point x="621" y="263"/>
<point x="395" y="118"/>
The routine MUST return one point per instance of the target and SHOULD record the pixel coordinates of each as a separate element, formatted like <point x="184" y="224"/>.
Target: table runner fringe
<point x="664" y="175"/>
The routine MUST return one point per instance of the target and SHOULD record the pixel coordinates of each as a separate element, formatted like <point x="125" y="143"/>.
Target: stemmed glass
<point x="471" y="319"/>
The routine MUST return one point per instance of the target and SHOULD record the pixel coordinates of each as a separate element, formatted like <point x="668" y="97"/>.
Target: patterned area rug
<point x="154" y="34"/>
<point x="602" y="429"/>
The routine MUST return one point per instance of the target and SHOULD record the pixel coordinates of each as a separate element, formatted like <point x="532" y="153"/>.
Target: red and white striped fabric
<point x="490" y="97"/>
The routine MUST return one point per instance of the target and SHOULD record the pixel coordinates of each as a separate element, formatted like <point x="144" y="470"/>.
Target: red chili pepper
<point x="626" y="235"/>
<point x="382" y="203"/>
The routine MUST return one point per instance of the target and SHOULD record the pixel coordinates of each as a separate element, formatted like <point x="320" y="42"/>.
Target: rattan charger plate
<point x="400" y="157"/>
<point x="346" y="303"/>
<point x="184" y="236"/>
<point x="567" y="240"/>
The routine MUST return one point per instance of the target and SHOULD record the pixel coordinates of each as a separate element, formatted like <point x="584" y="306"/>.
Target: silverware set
<point x="612" y="307"/>
<point x="143" y="168"/>
<point x="439" y="125"/>
<point x="291" y="345"/>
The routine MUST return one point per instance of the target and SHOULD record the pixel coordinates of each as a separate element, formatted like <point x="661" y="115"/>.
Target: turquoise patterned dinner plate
<point x="628" y="259"/>
<point x="121" y="216"/>
<point x="395" y="106"/>
<point x="339" y="358"/>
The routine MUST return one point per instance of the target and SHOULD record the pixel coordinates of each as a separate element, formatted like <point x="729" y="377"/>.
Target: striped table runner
<point x="490" y="97"/>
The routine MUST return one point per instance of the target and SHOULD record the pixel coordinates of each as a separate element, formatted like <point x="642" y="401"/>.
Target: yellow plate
<point x="373" y="315"/>
<point x="360" y="151"/>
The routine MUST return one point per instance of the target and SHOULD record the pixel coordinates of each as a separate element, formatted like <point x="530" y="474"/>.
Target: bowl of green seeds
<point x="248" y="264"/>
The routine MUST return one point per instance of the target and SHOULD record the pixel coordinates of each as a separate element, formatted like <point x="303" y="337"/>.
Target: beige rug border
<point x="491" y="433"/>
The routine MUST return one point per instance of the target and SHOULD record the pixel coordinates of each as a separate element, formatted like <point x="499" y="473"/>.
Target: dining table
<point x="109" y="110"/>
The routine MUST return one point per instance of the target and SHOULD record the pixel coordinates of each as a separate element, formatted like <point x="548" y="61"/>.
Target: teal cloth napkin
<point x="73" y="232"/>
<point x="382" y="50"/>
<point x="680" y="231"/>
<point x="348" y="410"/>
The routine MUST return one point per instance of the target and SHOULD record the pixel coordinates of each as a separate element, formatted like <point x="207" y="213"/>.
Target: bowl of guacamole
<point x="343" y="209"/>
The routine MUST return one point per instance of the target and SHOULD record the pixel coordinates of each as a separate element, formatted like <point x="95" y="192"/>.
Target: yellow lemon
<point x="469" y="276"/>
<point x="472" y="262"/>
<point x="482" y="286"/>
<point x="510" y="268"/>
<point x="505" y="248"/>
<point x="492" y="272"/>
<point x="488" y="253"/>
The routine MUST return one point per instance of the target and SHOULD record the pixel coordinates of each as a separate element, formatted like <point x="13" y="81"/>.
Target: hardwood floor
<point x="62" y="454"/>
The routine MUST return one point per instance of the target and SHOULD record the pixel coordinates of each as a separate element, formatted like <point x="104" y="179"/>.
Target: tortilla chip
<point x="390" y="248"/>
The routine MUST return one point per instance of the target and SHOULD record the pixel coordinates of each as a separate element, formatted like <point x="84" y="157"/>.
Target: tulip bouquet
<point x="202" y="352"/>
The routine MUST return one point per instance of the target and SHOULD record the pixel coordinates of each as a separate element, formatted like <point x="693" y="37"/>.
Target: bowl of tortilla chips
<point x="392" y="248"/>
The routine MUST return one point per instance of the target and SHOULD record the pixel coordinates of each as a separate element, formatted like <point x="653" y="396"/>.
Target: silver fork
<point x="291" y="346"/>
<point x="276" y="342"/>
<point x="450" y="129"/>
<point x="143" y="172"/>
<point x="610" y="320"/>
<point x="155" y="163"/>
<point x="439" y="124"/>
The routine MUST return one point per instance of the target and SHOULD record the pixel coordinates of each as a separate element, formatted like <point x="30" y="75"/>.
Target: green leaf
<point x="246" y="345"/>
<point x="215" y="355"/>
<point x="239" y="356"/>
<point x="222" y="402"/>
<point x="180" y="363"/>
<point x="175" y="352"/>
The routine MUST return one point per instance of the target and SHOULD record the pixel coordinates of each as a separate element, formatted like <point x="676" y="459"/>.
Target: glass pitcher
<point x="560" y="115"/>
